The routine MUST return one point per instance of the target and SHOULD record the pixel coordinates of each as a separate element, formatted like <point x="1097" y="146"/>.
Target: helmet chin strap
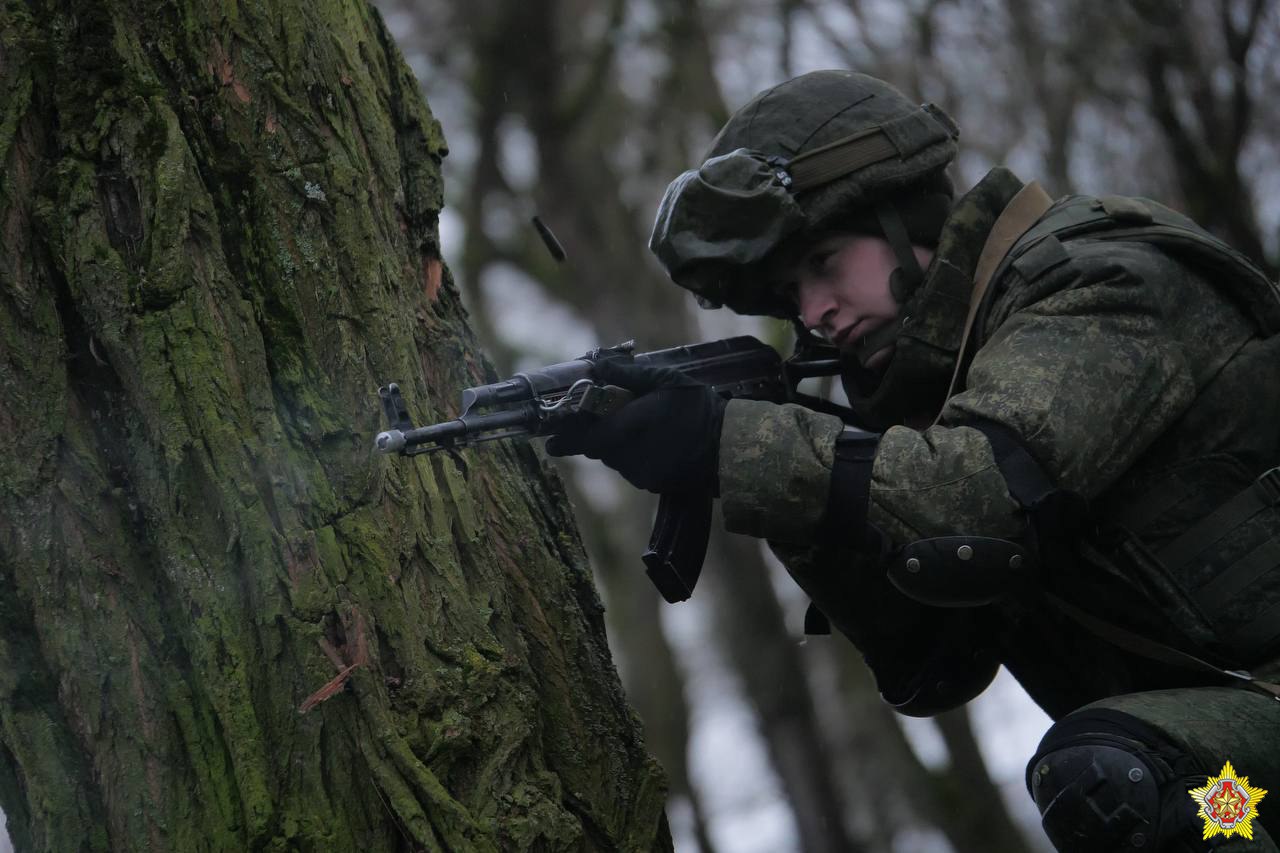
<point x="907" y="277"/>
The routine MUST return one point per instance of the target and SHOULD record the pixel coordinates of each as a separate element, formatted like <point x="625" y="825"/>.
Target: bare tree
<point x="1206" y="124"/>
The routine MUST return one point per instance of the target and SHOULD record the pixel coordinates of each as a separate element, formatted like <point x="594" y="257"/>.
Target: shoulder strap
<point x="1022" y="212"/>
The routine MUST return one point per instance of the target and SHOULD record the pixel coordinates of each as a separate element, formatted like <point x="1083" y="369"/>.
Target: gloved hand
<point x="665" y="440"/>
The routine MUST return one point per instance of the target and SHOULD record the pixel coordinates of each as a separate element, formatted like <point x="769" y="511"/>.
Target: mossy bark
<point x="218" y="229"/>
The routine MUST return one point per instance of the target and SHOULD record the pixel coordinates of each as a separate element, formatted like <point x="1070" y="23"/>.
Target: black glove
<point x="667" y="440"/>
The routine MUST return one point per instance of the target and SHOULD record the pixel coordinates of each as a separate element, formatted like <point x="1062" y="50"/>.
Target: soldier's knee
<point x="1093" y="796"/>
<point x="1106" y="781"/>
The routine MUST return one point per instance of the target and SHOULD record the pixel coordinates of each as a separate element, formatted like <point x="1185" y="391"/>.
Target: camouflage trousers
<point x="1214" y="725"/>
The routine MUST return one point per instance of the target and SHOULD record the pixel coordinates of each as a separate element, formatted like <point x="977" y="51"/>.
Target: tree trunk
<point x="960" y="800"/>
<point x="651" y="673"/>
<point x="773" y="674"/>
<point x="225" y="624"/>
<point x="966" y="781"/>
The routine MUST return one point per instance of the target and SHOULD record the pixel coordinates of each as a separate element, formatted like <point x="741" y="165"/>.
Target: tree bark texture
<point x="224" y="623"/>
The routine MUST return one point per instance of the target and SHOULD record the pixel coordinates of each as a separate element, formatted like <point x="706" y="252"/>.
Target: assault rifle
<point x="543" y="401"/>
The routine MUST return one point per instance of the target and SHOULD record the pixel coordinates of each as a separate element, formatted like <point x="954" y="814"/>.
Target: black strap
<point x="1023" y="475"/>
<point x="895" y="232"/>
<point x="847" y="499"/>
<point x="850" y="489"/>
<point x="1216" y="595"/>
<point x="1152" y="650"/>
<point x="1263" y="493"/>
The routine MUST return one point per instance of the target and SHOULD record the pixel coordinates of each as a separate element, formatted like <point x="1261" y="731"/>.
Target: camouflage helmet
<point x="824" y="150"/>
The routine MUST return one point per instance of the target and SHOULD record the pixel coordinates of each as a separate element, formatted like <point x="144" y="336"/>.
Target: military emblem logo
<point x="1228" y="804"/>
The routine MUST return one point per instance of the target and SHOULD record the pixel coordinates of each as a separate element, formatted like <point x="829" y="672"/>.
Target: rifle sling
<point x="1147" y="648"/>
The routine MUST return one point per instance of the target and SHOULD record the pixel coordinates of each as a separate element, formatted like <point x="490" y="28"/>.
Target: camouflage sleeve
<point x="775" y="467"/>
<point x="1088" y="376"/>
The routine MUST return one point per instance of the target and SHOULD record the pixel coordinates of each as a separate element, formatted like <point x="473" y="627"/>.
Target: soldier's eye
<point x="789" y="291"/>
<point x="818" y="262"/>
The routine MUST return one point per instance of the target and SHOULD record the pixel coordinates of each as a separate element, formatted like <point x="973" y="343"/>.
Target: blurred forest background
<point x="581" y="111"/>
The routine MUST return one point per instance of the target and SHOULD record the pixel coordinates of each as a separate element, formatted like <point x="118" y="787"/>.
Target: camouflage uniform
<point x="1114" y="365"/>
<point x="1123" y="371"/>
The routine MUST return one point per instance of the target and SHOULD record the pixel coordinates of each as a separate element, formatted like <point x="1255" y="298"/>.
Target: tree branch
<point x="578" y="104"/>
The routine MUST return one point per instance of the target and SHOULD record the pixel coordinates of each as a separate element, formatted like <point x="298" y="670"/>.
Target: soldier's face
<point x="841" y="285"/>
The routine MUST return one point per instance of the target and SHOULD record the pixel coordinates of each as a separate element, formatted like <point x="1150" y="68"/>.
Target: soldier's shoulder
<point x="1082" y="235"/>
<point x="1054" y="267"/>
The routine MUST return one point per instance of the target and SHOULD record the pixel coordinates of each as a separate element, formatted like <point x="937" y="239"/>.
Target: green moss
<point x="534" y="818"/>
<point x="235" y="337"/>
<point x="332" y="557"/>
<point x="217" y="797"/>
<point x="16" y="102"/>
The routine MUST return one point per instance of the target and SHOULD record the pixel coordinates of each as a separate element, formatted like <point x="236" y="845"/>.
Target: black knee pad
<point x="1106" y="781"/>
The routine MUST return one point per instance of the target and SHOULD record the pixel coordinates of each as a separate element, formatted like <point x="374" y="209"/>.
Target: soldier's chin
<point x="879" y="359"/>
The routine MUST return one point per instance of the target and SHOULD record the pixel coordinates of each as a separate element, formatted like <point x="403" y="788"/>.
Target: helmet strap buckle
<point x="780" y="170"/>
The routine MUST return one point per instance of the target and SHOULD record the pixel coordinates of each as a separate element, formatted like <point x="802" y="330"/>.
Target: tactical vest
<point x="1227" y="564"/>
<point x="1121" y="218"/>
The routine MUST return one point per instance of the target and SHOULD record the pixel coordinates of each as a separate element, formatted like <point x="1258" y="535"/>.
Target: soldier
<point x="1068" y="418"/>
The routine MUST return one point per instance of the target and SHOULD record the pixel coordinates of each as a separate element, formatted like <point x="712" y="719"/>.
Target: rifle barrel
<point x="463" y="430"/>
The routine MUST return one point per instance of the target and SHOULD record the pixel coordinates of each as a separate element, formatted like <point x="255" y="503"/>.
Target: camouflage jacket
<point x="1122" y="370"/>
